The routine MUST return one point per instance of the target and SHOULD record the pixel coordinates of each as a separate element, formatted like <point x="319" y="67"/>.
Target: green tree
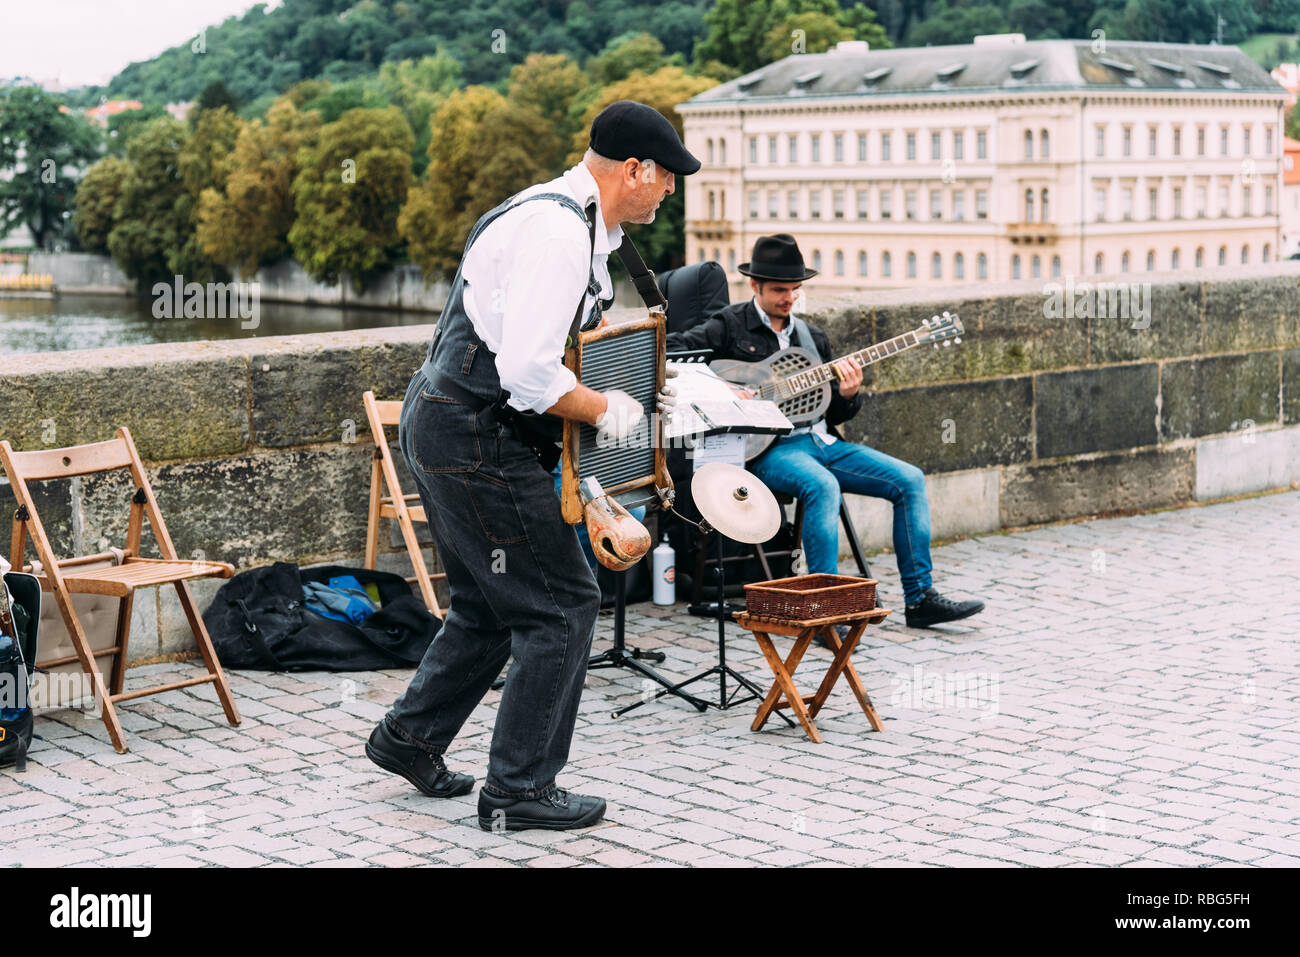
<point x="548" y="84"/>
<point x="204" y="163"/>
<point x="804" y="33"/>
<point x="123" y="127"/>
<point x="484" y="149"/>
<point x="247" y="223"/>
<point x="951" y="24"/>
<point x="352" y="181"/>
<point x="97" y="196"/>
<point x="624" y="55"/>
<point x="418" y="88"/>
<point x="150" y="225"/>
<point x="44" y="150"/>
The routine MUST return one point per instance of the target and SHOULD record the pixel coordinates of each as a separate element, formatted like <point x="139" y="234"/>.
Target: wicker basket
<point x="810" y="596"/>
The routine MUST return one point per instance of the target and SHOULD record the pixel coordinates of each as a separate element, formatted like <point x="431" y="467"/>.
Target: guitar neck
<point x="817" y="375"/>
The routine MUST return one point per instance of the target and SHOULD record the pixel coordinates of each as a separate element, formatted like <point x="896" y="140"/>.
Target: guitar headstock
<point x="945" y="328"/>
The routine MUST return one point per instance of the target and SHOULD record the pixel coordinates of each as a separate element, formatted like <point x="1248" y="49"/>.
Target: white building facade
<point x="991" y="161"/>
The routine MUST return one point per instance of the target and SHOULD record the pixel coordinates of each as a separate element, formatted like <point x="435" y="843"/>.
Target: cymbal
<point x="736" y="502"/>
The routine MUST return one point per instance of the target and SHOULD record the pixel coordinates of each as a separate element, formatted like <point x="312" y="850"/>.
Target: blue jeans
<point x="520" y="588"/>
<point x="803" y="466"/>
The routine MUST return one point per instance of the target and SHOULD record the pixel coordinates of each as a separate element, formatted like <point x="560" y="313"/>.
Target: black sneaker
<point x="936" y="609"/>
<point x="556" y="810"/>
<point x="426" y="771"/>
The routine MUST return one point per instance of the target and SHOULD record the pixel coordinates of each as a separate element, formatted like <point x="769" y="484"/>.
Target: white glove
<point x="620" y="418"/>
<point x="666" y="399"/>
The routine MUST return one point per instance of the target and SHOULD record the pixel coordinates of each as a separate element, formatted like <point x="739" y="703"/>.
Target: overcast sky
<point x="78" y="42"/>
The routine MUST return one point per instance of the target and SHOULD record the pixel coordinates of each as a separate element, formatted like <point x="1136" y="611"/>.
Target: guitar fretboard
<point x="811" y="378"/>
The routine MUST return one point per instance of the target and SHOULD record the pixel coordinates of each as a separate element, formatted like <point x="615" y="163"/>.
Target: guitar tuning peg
<point x="958" y="339"/>
<point x="947" y="343"/>
<point x="936" y="345"/>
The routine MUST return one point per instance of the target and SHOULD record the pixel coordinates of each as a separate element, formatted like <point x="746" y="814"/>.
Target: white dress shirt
<point x="523" y="277"/>
<point x="818" y="428"/>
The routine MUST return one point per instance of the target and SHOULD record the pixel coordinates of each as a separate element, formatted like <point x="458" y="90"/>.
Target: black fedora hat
<point x="777" y="258"/>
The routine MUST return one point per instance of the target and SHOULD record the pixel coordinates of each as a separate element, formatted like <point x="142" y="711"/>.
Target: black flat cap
<point x="627" y="129"/>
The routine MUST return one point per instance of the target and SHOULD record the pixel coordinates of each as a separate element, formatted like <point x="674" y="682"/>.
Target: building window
<point x="773" y="200"/>
<point x="1201" y="201"/>
<point x="839" y="262"/>
<point x="1246" y="208"/>
<point x="1268" y="200"/>
<point x="862" y="204"/>
<point x="838" y="147"/>
<point x="753" y="205"/>
<point x="936" y="147"/>
<point x="1200" y="257"/>
<point x="713" y="205"/>
<point x="958" y="145"/>
<point x="710" y="151"/>
<point x="1099" y="263"/>
<point x="1245" y="255"/>
<point x="885" y="154"/>
<point x="1126" y="202"/>
<point x="911" y="265"/>
<point x="1036" y="267"/>
<point x="722" y="152"/>
<point x="1015" y="266"/>
<point x="753" y="149"/>
<point x="1099" y="203"/>
<point x="1245" y="141"/>
<point x="1223" y="199"/>
<point x="936" y="204"/>
<point x="1056" y="267"/>
<point x="886" y="265"/>
<point x="1029" y="205"/>
<point x="981" y="144"/>
<point x="1200" y="141"/>
<point x="815" y="204"/>
<point x="1268" y="141"/>
<point x="771" y="149"/>
<point x="958" y="266"/>
<point x="1267" y="252"/>
<point x="1127" y="140"/>
<point x="1223" y="141"/>
<point x="700" y="257"/>
<point x="1042" y="205"/>
<point x="887" y="204"/>
<point x="1178" y="202"/>
<point x="911" y="146"/>
<point x="1123" y="261"/>
<point x="731" y="260"/>
<point x="959" y="204"/>
<point x="717" y="255"/>
<point x="793" y="143"/>
<point x="981" y="204"/>
<point x="1151" y="260"/>
<point x="1173" y="259"/>
<point x="1151" y="141"/>
<point x="837" y="203"/>
<point x="1178" y="141"/>
<point x="1101" y="142"/>
<point x="862" y="263"/>
<point x="817" y="259"/>
<point x="936" y="266"/>
<point x="862" y="147"/>
<point x="981" y="266"/>
<point x="1153" y="203"/>
<point x="909" y="204"/>
<point x="792" y="203"/>
<point x="1223" y="255"/>
<point x="1043" y="150"/>
<point x="1029" y="144"/>
<point x="816" y="148"/>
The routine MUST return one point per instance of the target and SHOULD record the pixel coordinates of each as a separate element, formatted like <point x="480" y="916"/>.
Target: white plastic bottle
<point x="663" y="565"/>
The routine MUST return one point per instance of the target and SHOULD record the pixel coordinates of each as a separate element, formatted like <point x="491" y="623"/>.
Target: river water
<point x="93" y="322"/>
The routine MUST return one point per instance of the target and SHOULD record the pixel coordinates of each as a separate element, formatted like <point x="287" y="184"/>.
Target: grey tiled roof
<point x="1035" y="65"/>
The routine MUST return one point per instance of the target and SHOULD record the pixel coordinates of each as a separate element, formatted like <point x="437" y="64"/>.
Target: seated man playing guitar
<point x="814" y="462"/>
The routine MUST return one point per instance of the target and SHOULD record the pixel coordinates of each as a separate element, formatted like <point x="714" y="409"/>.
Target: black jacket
<point x="737" y="332"/>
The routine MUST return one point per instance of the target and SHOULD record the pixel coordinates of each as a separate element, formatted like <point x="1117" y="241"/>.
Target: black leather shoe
<point x="556" y="810"/>
<point x="426" y="771"/>
<point x="936" y="609"/>
<point x="842" y="631"/>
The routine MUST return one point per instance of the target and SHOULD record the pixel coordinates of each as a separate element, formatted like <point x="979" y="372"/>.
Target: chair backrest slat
<point x="73" y="460"/>
<point x="386" y="413"/>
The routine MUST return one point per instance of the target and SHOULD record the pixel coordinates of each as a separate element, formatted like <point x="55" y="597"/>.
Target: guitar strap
<point x="800" y="332"/>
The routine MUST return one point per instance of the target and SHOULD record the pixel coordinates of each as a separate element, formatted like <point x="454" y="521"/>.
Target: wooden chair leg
<point x="81" y="645"/>
<point x="123" y="635"/>
<point x="417" y="562"/>
<point x="207" y="651"/>
<point x="372" y="517"/>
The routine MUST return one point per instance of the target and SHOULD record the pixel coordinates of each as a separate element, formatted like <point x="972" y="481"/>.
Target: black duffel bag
<point x="258" y="621"/>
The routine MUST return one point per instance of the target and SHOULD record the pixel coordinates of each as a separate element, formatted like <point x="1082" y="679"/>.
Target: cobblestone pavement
<point x="1130" y="696"/>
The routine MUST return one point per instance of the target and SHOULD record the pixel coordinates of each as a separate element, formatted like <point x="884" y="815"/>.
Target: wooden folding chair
<point x="387" y="500"/>
<point x="88" y="574"/>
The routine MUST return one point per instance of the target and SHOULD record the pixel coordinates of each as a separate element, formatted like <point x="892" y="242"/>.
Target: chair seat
<point x="122" y="580"/>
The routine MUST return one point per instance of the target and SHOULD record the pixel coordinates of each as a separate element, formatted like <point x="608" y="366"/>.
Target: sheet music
<point x="706" y="403"/>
